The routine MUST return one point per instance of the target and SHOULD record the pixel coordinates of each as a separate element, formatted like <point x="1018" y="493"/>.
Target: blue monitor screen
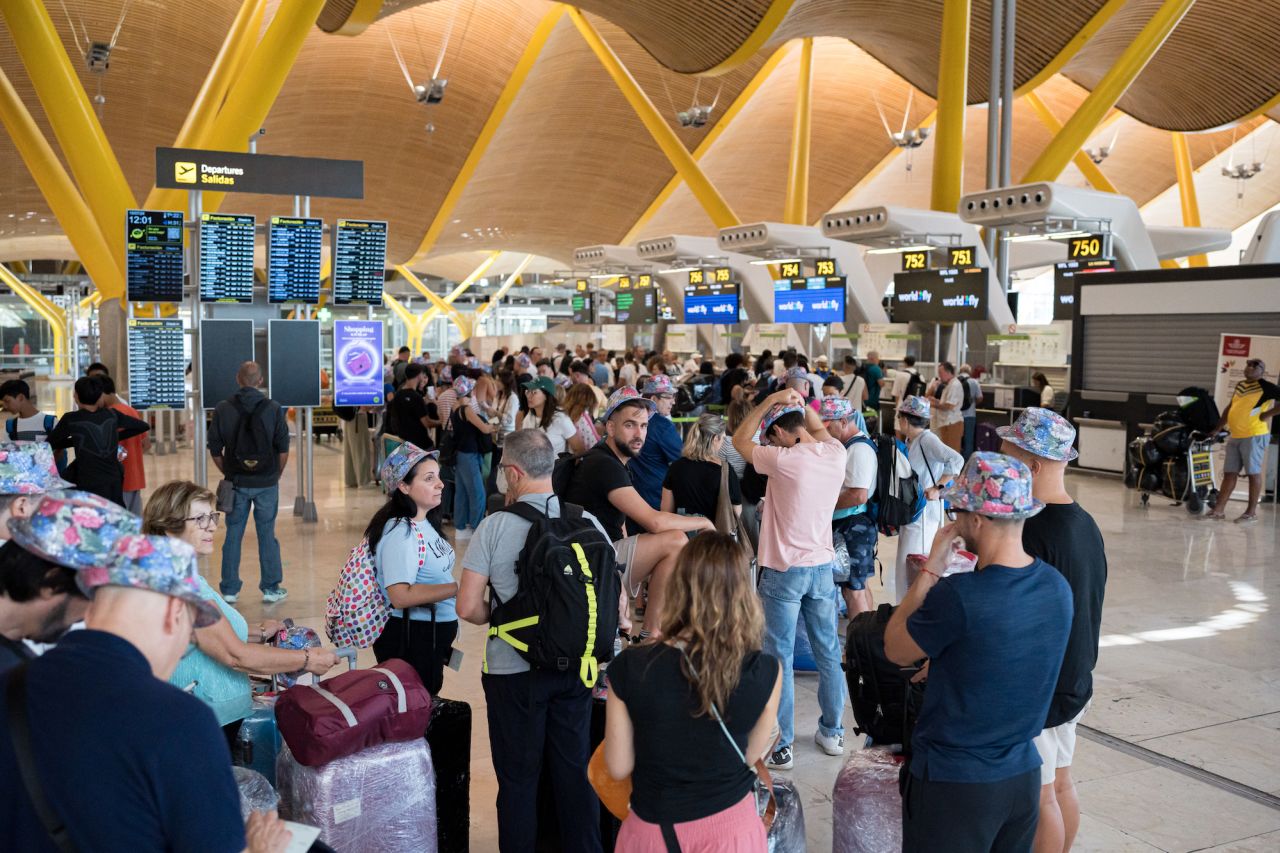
<point x="816" y="299"/>
<point x="711" y="302"/>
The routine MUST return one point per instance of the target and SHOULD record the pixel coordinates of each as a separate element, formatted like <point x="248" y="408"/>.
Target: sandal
<point x="1247" y="518"/>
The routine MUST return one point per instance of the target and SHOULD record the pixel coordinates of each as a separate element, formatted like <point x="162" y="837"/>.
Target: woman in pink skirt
<point x="690" y="783"/>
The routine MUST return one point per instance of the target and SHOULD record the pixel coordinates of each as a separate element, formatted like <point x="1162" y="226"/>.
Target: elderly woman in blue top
<point x="415" y="566"/>
<point x="662" y="445"/>
<point x="934" y="464"/>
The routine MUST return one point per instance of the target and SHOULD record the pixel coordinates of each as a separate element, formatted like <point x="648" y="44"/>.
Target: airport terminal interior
<point x="1061" y="205"/>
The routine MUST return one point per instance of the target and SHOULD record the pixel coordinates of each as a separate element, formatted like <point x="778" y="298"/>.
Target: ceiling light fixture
<point x="897" y="250"/>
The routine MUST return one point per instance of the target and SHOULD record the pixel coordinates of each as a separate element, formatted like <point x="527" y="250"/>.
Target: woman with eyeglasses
<point x="220" y="657"/>
<point x="934" y="464"/>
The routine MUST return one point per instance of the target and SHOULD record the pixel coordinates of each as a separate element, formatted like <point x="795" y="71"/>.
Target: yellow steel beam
<point x="505" y="286"/>
<point x="55" y="316"/>
<point x="75" y="124"/>
<point x="251" y="95"/>
<point x="463" y="324"/>
<point x="953" y="87"/>
<point x="59" y="191"/>
<point x="247" y="44"/>
<point x="235" y="48"/>
<point x="701" y="187"/>
<point x="1108" y="91"/>
<point x="764" y="30"/>
<point x="1187" y="191"/>
<point x="1087" y="167"/>
<point x="709" y="138"/>
<point x="478" y="148"/>
<point x="72" y="268"/>
<point x="474" y="276"/>
<point x="796" y="211"/>
<point x="364" y="14"/>
<point x="20" y="267"/>
<point x="414" y="326"/>
<point x="91" y="301"/>
<point x="1072" y="47"/>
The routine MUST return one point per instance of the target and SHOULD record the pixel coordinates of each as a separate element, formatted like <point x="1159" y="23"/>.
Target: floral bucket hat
<point x="27" y="468"/>
<point x="1043" y="433"/>
<point x="917" y="406"/>
<point x="775" y="411"/>
<point x="994" y="485"/>
<point x="658" y="386"/>
<point x="157" y="563"/>
<point x="834" y="408"/>
<point x="462" y="386"/>
<point x="74" y="529"/>
<point x="400" y="462"/>
<point x="625" y="394"/>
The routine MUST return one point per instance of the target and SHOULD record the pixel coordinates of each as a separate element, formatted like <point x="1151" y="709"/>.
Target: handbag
<point x="614" y="794"/>
<point x="728" y="521"/>
<point x="225" y="500"/>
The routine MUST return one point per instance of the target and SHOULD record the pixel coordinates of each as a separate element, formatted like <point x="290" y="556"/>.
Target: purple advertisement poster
<point x="357" y="363"/>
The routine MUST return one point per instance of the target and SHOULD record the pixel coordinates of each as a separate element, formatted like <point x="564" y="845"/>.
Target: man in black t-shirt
<point x="409" y="413"/>
<point x="733" y="376"/>
<point x="95" y="431"/>
<point x="1066" y="537"/>
<point x="601" y="485"/>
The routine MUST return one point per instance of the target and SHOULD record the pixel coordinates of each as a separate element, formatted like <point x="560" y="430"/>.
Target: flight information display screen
<point x="636" y="300"/>
<point x="1064" y="283"/>
<point x="153" y="255"/>
<point x="294" y="248"/>
<point x="812" y="299"/>
<point x="583" y="302"/>
<point x="359" y="261"/>
<point x="226" y="257"/>
<point x="710" y="297"/>
<point x="942" y="295"/>
<point x="157" y="367"/>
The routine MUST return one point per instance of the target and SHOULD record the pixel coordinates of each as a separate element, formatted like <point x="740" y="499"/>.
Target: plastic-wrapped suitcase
<point x="379" y="800"/>
<point x="449" y="736"/>
<point x="865" y="804"/>
<point x="787" y="833"/>
<point x="256" y="793"/>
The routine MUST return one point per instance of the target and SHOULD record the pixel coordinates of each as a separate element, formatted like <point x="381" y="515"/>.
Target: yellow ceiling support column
<point x="91" y="301"/>
<point x="506" y="98"/>
<point x="251" y="95"/>
<point x="459" y="320"/>
<point x="953" y="88"/>
<point x="1072" y="47"/>
<point x="505" y="286"/>
<point x="204" y="109"/>
<point x="1187" y="191"/>
<point x="77" y="221"/>
<point x="55" y="316"/>
<point x="796" y="211"/>
<point x="75" y="124"/>
<point x="701" y="187"/>
<point x="414" y="326"/>
<point x="1087" y="167"/>
<point x="463" y="287"/>
<point x="709" y="138"/>
<point x="1107" y="92"/>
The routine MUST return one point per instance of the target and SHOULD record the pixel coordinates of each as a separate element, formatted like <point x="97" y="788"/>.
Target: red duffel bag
<point x="353" y="711"/>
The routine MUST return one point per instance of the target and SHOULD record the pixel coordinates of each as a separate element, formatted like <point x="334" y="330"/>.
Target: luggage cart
<point x="1195" y="486"/>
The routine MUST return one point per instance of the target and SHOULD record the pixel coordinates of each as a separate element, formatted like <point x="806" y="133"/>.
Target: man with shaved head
<point x="249" y="441"/>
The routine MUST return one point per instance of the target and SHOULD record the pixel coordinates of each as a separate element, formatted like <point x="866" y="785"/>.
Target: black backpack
<point x="252" y="451"/>
<point x="898" y="500"/>
<point x="878" y="687"/>
<point x="562" y="473"/>
<point x="915" y="386"/>
<point x="565" y="615"/>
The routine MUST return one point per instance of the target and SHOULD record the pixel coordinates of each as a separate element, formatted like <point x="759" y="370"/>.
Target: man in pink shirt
<point x="805" y="466"/>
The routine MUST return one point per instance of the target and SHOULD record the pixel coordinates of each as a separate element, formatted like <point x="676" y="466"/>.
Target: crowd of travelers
<point x="710" y="514"/>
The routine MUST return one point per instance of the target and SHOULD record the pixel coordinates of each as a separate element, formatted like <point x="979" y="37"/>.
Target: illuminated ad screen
<point x="812" y="299"/>
<point x="711" y="296"/>
<point x="944" y="295"/>
<point x="1064" y="283"/>
<point x="583" y="302"/>
<point x="636" y="300"/>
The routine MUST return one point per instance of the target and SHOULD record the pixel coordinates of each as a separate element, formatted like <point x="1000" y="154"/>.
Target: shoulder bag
<point x="728" y="521"/>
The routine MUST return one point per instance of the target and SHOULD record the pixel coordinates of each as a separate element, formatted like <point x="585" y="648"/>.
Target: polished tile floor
<point x="1189" y="667"/>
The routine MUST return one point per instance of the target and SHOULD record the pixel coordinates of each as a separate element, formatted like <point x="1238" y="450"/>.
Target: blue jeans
<point x="807" y="592"/>
<point x="468" y="495"/>
<point x="970" y="437"/>
<point x="266" y="503"/>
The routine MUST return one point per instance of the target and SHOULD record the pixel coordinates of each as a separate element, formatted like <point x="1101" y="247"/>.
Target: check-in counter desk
<point x="1107" y="421"/>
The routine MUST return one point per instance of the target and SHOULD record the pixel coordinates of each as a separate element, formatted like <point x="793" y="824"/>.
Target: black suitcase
<point x="449" y="736"/>
<point x="549" y="824"/>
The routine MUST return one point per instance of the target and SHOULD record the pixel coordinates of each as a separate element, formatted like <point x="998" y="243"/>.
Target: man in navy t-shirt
<point x="995" y="639"/>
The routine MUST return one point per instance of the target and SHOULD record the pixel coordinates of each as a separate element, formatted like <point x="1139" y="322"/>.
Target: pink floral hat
<point x="161" y="564"/>
<point x="27" y="468"/>
<point x="74" y="529"/>
<point x="994" y="485"/>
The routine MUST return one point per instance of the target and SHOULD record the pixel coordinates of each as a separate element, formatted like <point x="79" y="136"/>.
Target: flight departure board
<point x="157" y="367"/>
<point x="153" y="255"/>
<point x="711" y="297"/>
<point x="226" y="257"/>
<point x="636" y="300"/>
<point x="583" y="302"/>
<point x="294" y="247"/>
<point x="359" y="261"/>
<point x="812" y="299"/>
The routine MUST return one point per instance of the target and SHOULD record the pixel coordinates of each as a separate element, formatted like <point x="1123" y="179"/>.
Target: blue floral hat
<point x="27" y="468"/>
<point x="400" y="462"/>
<point x="625" y="394"/>
<point x="1043" y="433"/>
<point x="994" y="485"/>
<point x="835" y="408"/>
<point x="658" y="385"/>
<point x="775" y="411"/>
<point x="74" y="529"/>
<point x="161" y="564"/>
<point x="462" y="386"/>
<point x="796" y="373"/>
<point x="917" y="406"/>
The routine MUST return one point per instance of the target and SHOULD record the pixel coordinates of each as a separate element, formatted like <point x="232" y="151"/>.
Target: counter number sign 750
<point x="1086" y="248"/>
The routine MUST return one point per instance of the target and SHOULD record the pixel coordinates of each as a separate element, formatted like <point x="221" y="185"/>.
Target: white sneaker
<point x="829" y="745"/>
<point x="462" y="534"/>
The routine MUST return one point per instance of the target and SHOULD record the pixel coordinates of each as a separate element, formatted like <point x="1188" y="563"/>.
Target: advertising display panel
<point x="711" y="297"/>
<point x="583" y="302"/>
<point x="153" y="255"/>
<point x="943" y="295"/>
<point x="815" y="299"/>
<point x="1064" y="285"/>
<point x="636" y="300"/>
<point x="357" y="363"/>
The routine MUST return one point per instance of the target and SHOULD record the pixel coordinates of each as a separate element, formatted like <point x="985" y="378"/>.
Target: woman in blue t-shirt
<point x="415" y="566"/>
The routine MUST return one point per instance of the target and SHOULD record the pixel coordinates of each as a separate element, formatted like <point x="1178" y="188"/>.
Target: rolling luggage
<point x="866" y="807"/>
<point x="787" y="834"/>
<point x="379" y="800"/>
<point x="353" y="711"/>
<point x="258" y="741"/>
<point x="449" y="736"/>
<point x="877" y="686"/>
